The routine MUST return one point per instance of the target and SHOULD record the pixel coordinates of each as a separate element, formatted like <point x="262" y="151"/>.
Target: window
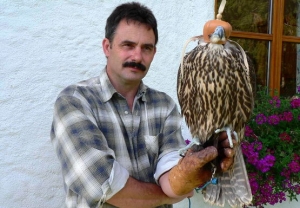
<point x="269" y="31"/>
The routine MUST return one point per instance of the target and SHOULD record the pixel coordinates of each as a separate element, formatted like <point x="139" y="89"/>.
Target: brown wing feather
<point x="214" y="89"/>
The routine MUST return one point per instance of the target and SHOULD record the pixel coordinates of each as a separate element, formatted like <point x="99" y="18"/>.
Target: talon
<point x="184" y="150"/>
<point x="228" y="131"/>
<point x="236" y="136"/>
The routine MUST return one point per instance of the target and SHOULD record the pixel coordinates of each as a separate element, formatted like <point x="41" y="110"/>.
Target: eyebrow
<point x="133" y="43"/>
<point x="149" y="45"/>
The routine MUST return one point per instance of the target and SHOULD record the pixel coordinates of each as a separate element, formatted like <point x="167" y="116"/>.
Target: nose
<point x="137" y="54"/>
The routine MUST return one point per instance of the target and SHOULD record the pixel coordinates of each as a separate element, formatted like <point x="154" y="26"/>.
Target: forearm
<point x="166" y="187"/>
<point x="141" y="194"/>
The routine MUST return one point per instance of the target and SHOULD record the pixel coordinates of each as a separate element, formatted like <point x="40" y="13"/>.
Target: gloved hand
<point x="194" y="169"/>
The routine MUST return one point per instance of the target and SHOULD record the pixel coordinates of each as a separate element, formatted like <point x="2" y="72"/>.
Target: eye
<point x="148" y="48"/>
<point x="128" y="45"/>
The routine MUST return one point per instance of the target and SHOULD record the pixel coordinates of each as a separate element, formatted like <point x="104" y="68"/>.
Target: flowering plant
<point x="271" y="149"/>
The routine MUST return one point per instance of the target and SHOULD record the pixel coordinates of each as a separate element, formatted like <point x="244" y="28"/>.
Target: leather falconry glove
<point x="193" y="170"/>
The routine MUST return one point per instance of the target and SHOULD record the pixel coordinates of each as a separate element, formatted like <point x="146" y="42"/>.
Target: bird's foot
<point x="182" y="151"/>
<point x="228" y="131"/>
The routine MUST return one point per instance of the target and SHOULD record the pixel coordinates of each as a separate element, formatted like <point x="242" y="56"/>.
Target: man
<point x="117" y="139"/>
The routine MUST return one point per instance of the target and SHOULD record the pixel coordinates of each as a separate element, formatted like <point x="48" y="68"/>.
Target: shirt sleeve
<point x="89" y="167"/>
<point x="166" y="163"/>
<point x="172" y="141"/>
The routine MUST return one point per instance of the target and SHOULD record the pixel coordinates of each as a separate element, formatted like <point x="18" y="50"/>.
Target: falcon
<point x="214" y="88"/>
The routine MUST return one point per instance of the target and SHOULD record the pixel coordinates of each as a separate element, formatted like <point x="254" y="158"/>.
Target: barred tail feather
<point x="233" y="186"/>
<point x="240" y="171"/>
<point x="228" y="189"/>
<point x="214" y="191"/>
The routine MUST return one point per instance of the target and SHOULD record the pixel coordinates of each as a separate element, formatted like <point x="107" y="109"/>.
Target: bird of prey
<point x="215" y="94"/>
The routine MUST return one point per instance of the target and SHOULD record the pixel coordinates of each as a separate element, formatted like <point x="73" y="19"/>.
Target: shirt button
<point x="126" y="112"/>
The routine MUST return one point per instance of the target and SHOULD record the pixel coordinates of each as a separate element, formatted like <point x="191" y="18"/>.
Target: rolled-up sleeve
<point x="89" y="167"/>
<point x="166" y="163"/>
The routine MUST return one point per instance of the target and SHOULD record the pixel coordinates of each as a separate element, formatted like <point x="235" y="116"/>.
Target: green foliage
<point x="272" y="149"/>
<point x="248" y="16"/>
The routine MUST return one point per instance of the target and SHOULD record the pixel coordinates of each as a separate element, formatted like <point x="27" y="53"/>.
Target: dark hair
<point x="130" y="11"/>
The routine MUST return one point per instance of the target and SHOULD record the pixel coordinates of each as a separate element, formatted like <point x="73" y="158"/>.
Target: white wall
<point x="47" y="45"/>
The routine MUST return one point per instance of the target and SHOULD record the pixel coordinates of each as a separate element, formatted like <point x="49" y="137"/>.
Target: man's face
<point x="132" y="43"/>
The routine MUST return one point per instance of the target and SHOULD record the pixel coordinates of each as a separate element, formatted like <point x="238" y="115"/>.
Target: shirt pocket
<point x="152" y="145"/>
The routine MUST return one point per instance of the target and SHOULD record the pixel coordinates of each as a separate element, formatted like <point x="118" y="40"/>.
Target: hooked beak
<point x="218" y="35"/>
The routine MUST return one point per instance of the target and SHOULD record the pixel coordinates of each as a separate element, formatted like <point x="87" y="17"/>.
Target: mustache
<point x="135" y="64"/>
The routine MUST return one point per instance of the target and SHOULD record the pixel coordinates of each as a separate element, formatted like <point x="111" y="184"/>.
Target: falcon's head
<point x="216" y="31"/>
<point x="218" y="36"/>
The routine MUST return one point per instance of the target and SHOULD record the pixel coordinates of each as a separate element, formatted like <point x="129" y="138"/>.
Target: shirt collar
<point x="142" y="91"/>
<point x="108" y="90"/>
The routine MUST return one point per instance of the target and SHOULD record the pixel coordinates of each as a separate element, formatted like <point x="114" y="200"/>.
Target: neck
<point x="127" y="90"/>
<point x="216" y="46"/>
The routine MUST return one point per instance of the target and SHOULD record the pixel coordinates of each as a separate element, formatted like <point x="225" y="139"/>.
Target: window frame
<point x="275" y="38"/>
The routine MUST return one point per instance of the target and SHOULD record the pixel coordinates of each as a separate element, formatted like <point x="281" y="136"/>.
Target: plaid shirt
<point x="100" y="142"/>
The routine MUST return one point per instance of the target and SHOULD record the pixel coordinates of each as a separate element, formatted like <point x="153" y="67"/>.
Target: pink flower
<point x="287" y="116"/>
<point x="295" y="103"/>
<point x="275" y="101"/>
<point x="294" y="167"/>
<point x="248" y="131"/>
<point x="260" y="119"/>
<point x="254" y="185"/>
<point x="266" y="163"/>
<point x="273" y="120"/>
<point x="296" y="157"/>
<point x="297" y="189"/>
<point x="187" y="141"/>
<point x="286" y="173"/>
<point x="285" y="137"/>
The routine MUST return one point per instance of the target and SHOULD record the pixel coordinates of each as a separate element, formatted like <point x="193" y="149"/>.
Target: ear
<point x="106" y="46"/>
